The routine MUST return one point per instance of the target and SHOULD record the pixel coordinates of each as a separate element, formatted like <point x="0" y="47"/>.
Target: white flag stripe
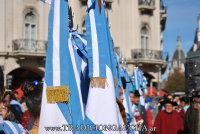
<point x="95" y="47"/>
<point x="76" y="73"/>
<point x="101" y="104"/>
<point x="56" y="44"/>
<point x="125" y="102"/>
<point x="46" y="119"/>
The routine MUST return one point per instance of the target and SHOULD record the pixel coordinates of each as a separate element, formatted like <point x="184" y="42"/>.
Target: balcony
<point x="163" y="16"/>
<point x="149" y="56"/>
<point x="148" y="5"/>
<point x="27" y="47"/>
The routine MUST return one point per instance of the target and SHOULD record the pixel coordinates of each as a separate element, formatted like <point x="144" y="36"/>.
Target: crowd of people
<point x="21" y="108"/>
<point x="175" y="114"/>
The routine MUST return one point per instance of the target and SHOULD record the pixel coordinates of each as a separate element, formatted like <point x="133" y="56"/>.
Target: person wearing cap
<point x="192" y="121"/>
<point x="184" y="105"/>
<point x="138" y="111"/>
<point x="168" y="121"/>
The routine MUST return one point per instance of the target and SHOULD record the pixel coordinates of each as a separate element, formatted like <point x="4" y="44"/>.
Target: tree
<point x="175" y="81"/>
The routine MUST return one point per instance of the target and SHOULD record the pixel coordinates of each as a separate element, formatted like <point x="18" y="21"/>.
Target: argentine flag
<point x="62" y="104"/>
<point x="101" y="105"/>
<point x="10" y="127"/>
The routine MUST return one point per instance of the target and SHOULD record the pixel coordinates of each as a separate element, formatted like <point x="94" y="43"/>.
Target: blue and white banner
<point x="9" y="127"/>
<point x="139" y="79"/>
<point x="101" y="104"/>
<point x="62" y="102"/>
<point x="140" y="84"/>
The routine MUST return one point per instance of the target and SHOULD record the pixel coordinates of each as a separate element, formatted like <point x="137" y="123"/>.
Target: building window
<point x="30" y="31"/>
<point x="144" y="38"/>
<point x="30" y="26"/>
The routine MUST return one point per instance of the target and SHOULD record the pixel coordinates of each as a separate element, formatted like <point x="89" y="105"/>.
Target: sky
<point x="181" y="19"/>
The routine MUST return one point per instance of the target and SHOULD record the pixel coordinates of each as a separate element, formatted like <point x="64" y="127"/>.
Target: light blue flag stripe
<point x="72" y="110"/>
<point x="97" y="54"/>
<point x="97" y="28"/>
<point x="10" y="127"/>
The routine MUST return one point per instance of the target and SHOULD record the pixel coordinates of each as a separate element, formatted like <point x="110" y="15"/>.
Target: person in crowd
<point x="139" y="112"/>
<point x="15" y="106"/>
<point x="168" y="121"/>
<point x="160" y="104"/>
<point x="33" y="98"/>
<point x="176" y="98"/>
<point x="192" y="116"/>
<point x="5" y="111"/>
<point x="184" y="105"/>
<point x="148" y="109"/>
<point x="169" y="96"/>
<point x="8" y="123"/>
<point x="120" y="104"/>
<point x="175" y="106"/>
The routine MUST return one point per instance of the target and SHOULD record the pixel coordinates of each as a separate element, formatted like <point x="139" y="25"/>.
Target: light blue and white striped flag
<point x="140" y="84"/>
<point x="62" y="102"/>
<point x="10" y="127"/>
<point x="101" y="104"/>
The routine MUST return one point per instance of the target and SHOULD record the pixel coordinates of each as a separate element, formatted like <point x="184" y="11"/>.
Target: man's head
<point x="196" y="96"/>
<point x="168" y="106"/>
<point x="135" y="97"/>
<point x="176" y="98"/>
<point x="4" y="110"/>
<point x="184" y="101"/>
<point x="170" y="97"/>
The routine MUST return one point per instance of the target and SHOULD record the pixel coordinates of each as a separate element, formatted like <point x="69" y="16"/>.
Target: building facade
<point x="23" y="40"/>
<point x="192" y="65"/>
<point x="136" y="27"/>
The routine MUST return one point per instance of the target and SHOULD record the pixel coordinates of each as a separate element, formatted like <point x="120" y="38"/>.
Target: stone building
<point x="136" y="27"/>
<point x="192" y="65"/>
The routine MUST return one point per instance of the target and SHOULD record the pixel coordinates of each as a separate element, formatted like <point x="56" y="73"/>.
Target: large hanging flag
<point x="101" y="104"/>
<point x="62" y="106"/>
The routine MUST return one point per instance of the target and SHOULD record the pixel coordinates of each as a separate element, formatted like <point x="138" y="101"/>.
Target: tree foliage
<point x="175" y="81"/>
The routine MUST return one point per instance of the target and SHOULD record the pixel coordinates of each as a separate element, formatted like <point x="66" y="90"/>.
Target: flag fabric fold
<point x="101" y="104"/>
<point x="61" y="74"/>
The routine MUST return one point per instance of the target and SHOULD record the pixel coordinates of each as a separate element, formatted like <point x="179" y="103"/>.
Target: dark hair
<point x="2" y="132"/>
<point x="33" y="97"/>
<point x="185" y="99"/>
<point x="12" y="96"/>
